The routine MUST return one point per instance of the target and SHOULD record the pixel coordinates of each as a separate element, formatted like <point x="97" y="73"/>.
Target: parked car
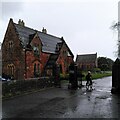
<point x="3" y="79"/>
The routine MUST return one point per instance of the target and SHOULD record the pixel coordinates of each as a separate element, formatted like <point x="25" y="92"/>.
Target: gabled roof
<point x="52" y="60"/>
<point x="49" y="42"/>
<point x="86" y="58"/>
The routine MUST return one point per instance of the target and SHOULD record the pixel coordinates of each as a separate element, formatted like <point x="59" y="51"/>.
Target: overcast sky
<point x="84" y="24"/>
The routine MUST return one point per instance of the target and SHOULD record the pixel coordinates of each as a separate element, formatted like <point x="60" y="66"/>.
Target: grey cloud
<point x="10" y="8"/>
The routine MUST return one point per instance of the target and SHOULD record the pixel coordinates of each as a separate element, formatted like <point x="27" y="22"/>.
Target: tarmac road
<point x="0" y="99"/>
<point x="64" y="103"/>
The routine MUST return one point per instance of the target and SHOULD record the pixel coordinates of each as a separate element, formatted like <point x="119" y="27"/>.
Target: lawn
<point x="99" y="75"/>
<point x="94" y="76"/>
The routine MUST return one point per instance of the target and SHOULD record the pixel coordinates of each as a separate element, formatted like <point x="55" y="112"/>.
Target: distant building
<point x="29" y="53"/>
<point x="86" y="61"/>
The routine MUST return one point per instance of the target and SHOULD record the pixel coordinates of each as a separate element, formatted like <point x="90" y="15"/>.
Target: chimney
<point x="21" y="22"/>
<point x="44" y="30"/>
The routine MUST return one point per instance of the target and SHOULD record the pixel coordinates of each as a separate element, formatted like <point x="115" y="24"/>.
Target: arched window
<point x="60" y="68"/>
<point x="10" y="44"/>
<point x="38" y="68"/>
<point x="35" y="69"/>
<point x="11" y="69"/>
<point x="8" y="67"/>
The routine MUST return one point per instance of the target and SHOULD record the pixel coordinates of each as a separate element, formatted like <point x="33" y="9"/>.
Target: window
<point x="35" y="69"/>
<point x="11" y="69"/>
<point x="64" y="53"/>
<point x="60" y="68"/>
<point x="68" y="54"/>
<point x="57" y="48"/>
<point x="10" y="44"/>
<point x="38" y="68"/>
<point x="36" y="51"/>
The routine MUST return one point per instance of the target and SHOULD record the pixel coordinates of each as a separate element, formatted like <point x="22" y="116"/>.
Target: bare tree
<point x="116" y="26"/>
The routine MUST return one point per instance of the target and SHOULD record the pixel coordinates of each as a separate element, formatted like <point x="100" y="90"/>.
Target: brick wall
<point x="12" y="53"/>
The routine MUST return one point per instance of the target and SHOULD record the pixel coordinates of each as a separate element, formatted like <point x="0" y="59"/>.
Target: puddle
<point x="102" y="97"/>
<point x="109" y="99"/>
<point x="99" y="90"/>
<point x="103" y="90"/>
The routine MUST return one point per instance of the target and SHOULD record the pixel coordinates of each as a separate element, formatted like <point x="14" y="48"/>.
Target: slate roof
<point x="86" y="58"/>
<point x="49" y="42"/>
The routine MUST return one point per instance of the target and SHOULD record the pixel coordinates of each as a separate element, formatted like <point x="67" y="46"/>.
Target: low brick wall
<point x="12" y="88"/>
<point x="116" y="77"/>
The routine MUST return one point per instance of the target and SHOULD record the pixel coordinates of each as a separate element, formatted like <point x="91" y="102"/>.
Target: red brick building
<point x="86" y="61"/>
<point x="28" y="53"/>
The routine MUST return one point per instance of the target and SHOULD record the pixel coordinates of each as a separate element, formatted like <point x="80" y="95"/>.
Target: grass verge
<point x="94" y="76"/>
<point x="99" y="75"/>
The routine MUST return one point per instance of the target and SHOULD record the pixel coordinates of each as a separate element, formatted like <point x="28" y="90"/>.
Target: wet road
<point x="64" y="103"/>
<point x="0" y="100"/>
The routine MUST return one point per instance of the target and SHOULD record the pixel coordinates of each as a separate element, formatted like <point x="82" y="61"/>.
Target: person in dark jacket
<point x="89" y="80"/>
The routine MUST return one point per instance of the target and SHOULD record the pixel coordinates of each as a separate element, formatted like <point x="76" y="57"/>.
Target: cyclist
<point x="89" y="81"/>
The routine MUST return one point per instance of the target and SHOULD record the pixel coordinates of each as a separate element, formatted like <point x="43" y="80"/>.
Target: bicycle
<point x="89" y="86"/>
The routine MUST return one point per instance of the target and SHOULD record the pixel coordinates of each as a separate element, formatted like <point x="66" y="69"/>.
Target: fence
<point x="17" y="87"/>
<point x="116" y="77"/>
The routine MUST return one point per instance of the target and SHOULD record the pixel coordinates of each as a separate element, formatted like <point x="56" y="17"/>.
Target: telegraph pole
<point x="0" y="60"/>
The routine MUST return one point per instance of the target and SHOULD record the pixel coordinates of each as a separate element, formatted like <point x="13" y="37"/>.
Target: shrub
<point x="98" y="70"/>
<point x="64" y="76"/>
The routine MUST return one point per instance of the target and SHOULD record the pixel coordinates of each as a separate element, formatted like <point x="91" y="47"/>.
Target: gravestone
<point x="116" y="77"/>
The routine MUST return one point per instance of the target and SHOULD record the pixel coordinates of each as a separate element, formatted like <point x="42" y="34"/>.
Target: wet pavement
<point x="64" y="103"/>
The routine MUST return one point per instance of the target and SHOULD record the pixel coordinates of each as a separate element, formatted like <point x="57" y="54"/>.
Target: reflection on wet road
<point x="64" y="103"/>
